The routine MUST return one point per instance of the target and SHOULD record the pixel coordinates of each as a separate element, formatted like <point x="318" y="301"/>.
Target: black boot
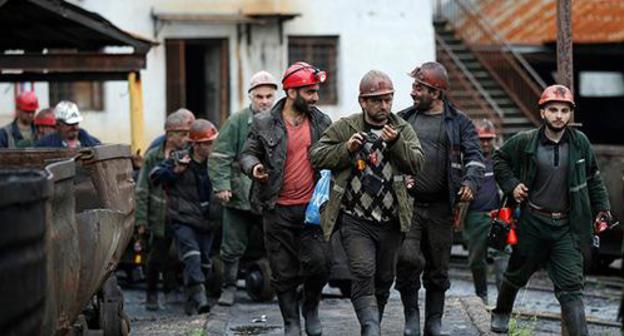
<point x="289" y="306"/>
<point x="479" y="276"/>
<point x="411" y="312"/>
<point x="504" y="305"/>
<point x="309" y="310"/>
<point x="381" y="308"/>
<point x="196" y="301"/>
<point x="151" y="303"/>
<point x="434" y="308"/>
<point x="573" y="316"/>
<point x="230" y="276"/>
<point x="368" y="315"/>
<point x="500" y="265"/>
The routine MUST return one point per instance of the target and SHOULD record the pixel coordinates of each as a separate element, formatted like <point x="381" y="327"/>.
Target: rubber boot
<point x="411" y="312"/>
<point x="290" y="312"/>
<point x="230" y="275"/>
<point x="151" y="303"/>
<point x="573" y="316"/>
<point x="500" y="265"/>
<point x="479" y="276"/>
<point x="381" y="308"/>
<point x="504" y="305"/>
<point x="434" y="308"/>
<point x="368" y="315"/>
<point x="310" y="310"/>
<point x="196" y="301"/>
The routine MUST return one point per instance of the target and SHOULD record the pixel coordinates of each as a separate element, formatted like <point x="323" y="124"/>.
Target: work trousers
<point x="236" y="227"/>
<point x="159" y="261"/>
<point x="475" y="232"/>
<point x="297" y="253"/>
<point x="547" y="242"/>
<point x="193" y="247"/>
<point x="371" y="249"/>
<point x="426" y="249"/>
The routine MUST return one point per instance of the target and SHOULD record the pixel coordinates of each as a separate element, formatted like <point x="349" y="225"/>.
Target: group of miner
<point x="398" y="182"/>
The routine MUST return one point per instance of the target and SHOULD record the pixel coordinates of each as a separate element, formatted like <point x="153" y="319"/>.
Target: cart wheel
<point x="257" y="281"/>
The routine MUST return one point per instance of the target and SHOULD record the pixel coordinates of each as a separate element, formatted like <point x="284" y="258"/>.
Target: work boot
<point x="411" y="312"/>
<point x="504" y="305"/>
<point x="381" y="308"/>
<point x="479" y="276"/>
<point x="309" y="310"/>
<point x="230" y="275"/>
<point x="573" y="317"/>
<point x="290" y="312"/>
<point x="151" y="303"/>
<point x="196" y="301"/>
<point x="434" y="308"/>
<point x="500" y="265"/>
<point x="368" y="315"/>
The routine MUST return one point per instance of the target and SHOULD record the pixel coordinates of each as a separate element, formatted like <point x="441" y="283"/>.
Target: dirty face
<point x="177" y="139"/>
<point x="487" y="145"/>
<point x="304" y="98"/>
<point x="44" y="130"/>
<point x="377" y="108"/>
<point x="422" y="96"/>
<point x="202" y="149"/>
<point x="262" y="98"/>
<point x="25" y="117"/>
<point x="556" y="115"/>
<point x="68" y="131"/>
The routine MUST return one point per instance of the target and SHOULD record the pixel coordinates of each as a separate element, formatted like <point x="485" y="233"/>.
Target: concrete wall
<point x="392" y="38"/>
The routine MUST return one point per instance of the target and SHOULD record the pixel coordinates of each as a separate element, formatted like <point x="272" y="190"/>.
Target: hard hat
<point x="45" y="117"/>
<point x="302" y="74"/>
<point x="556" y="93"/>
<point x="261" y="78"/>
<point x="203" y="130"/>
<point x="67" y="112"/>
<point x="27" y="101"/>
<point x="375" y="83"/>
<point x="431" y="74"/>
<point x="486" y="130"/>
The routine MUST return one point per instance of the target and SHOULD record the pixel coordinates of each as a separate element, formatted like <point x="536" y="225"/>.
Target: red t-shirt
<point x="298" y="173"/>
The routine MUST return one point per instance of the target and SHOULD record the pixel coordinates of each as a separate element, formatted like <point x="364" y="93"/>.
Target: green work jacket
<point x="151" y="201"/>
<point x="330" y="152"/>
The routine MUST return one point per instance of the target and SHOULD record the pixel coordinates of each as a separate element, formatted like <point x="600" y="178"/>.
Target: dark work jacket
<point x="54" y="140"/>
<point x="14" y="138"/>
<point x="267" y="144"/>
<point x="465" y="162"/>
<point x="188" y="193"/>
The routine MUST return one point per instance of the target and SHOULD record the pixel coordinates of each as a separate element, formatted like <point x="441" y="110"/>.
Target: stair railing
<point x="506" y="66"/>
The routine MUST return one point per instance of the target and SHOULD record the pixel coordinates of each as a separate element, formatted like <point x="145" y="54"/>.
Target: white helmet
<point x="67" y="112"/>
<point x="261" y="78"/>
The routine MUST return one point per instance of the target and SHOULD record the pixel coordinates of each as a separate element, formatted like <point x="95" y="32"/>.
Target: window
<point x="87" y="95"/>
<point x="322" y="52"/>
<point x="601" y="84"/>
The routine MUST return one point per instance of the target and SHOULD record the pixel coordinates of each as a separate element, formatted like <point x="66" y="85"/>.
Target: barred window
<point x="322" y="52"/>
<point x="87" y="95"/>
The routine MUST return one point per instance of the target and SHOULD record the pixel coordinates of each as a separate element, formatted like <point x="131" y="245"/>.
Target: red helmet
<point x="486" y="130"/>
<point x="375" y="83"/>
<point x="302" y="74"/>
<point x="27" y="101"/>
<point x="556" y="93"/>
<point x="203" y="130"/>
<point x="431" y="74"/>
<point x="45" y="117"/>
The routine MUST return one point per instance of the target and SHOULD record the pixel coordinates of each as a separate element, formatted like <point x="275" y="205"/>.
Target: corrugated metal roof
<point x="534" y="21"/>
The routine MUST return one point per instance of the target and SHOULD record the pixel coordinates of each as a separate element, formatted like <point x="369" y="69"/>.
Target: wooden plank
<point x="73" y="62"/>
<point x="62" y="77"/>
<point x="176" y="74"/>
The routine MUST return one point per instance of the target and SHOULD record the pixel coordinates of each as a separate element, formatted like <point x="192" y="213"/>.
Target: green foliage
<point x="525" y="330"/>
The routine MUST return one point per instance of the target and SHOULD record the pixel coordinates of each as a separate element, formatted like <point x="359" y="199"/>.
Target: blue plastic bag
<point x="319" y="197"/>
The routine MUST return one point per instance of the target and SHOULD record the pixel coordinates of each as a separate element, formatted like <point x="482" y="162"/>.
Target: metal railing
<point x="506" y="66"/>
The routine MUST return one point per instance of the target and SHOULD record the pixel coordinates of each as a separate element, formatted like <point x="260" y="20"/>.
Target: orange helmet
<point x="302" y="74"/>
<point x="375" y="83"/>
<point x="45" y="117"/>
<point x="431" y="74"/>
<point x="27" y="101"/>
<point x="486" y="130"/>
<point x="556" y="93"/>
<point x="203" y="130"/>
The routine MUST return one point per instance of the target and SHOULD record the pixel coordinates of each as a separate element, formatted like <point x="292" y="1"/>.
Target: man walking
<point x="452" y="172"/>
<point x="368" y="153"/>
<point x="552" y="173"/>
<point x="21" y="132"/>
<point x="232" y="186"/>
<point x="276" y="157"/>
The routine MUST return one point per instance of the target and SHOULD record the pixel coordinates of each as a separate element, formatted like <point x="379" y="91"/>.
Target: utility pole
<point x="565" y="72"/>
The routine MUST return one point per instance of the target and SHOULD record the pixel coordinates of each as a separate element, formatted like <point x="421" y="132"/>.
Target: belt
<point x="546" y="212"/>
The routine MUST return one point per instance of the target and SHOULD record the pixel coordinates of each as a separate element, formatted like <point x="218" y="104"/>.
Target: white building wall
<point x="389" y="36"/>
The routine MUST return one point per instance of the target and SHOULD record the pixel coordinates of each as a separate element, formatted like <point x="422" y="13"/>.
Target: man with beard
<point x="368" y="153"/>
<point x="552" y="173"/>
<point x="276" y="157"/>
<point x="232" y="186"/>
<point x="21" y="132"/>
<point x="68" y="134"/>
<point x="452" y="173"/>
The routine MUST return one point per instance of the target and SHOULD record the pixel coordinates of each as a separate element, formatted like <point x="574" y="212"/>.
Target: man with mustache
<point x="452" y="173"/>
<point x="276" y="157"/>
<point x="368" y="153"/>
<point x="551" y="172"/>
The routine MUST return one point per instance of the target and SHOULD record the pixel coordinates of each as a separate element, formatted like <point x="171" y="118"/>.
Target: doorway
<point x="198" y="77"/>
